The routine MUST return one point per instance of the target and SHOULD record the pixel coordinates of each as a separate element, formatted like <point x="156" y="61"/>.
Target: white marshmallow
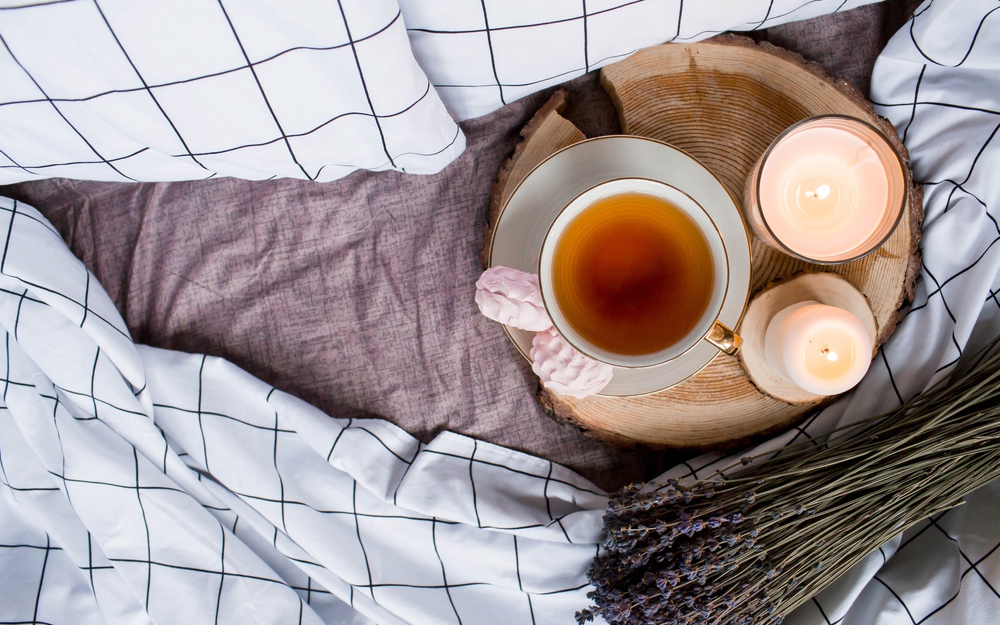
<point x="564" y="370"/>
<point x="512" y="298"/>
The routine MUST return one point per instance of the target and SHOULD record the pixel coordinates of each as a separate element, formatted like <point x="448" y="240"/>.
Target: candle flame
<point x="821" y="192"/>
<point x="830" y="354"/>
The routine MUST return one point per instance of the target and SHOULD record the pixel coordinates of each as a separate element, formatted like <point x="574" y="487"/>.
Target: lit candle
<point x="822" y="349"/>
<point x="829" y="190"/>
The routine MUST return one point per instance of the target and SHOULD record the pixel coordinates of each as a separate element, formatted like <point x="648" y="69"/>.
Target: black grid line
<point x="18" y="166"/>
<point x="65" y="164"/>
<point x="940" y="291"/>
<point x="45" y="224"/>
<point x="364" y="84"/>
<point x="993" y="296"/>
<point x="918" y="533"/>
<point x="357" y="529"/>
<point x="563" y="528"/>
<point x="801" y="430"/>
<point x="585" y="17"/>
<point x="770" y="6"/>
<point x="496" y="29"/>
<point x="263" y="94"/>
<point x="513" y="470"/>
<point x="472" y="483"/>
<point x="41" y="577"/>
<point x="90" y="560"/>
<point x="382" y="442"/>
<point x="149" y="549"/>
<point x="455" y="48"/>
<point x="898" y="598"/>
<point x="222" y="573"/>
<point x="892" y="380"/>
<point x="294" y="135"/>
<point x="76" y="480"/>
<point x="26" y="546"/>
<point x="458" y="133"/>
<point x="10" y="230"/>
<point x="185" y="81"/>
<point x="293" y="502"/>
<point x="86" y="300"/>
<point x="60" y="113"/>
<point x="6" y="377"/>
<point x="444" y="575"/>
<point x="17" y="317"/>
<point x="489" y="44"/>
<point x="399" y="483"/>
<point x="337" y="440"/>
<point x="680" y="18"/>
<point x="951" y="105"/>
<point x="822" y="613"/>
<point x="913" y="22"/>
<point x="916" y="96"/>
<point x="201" y="425"/>
<point x="209" y="413"/>
<point x="277" y="471"/>
<point x="93" y="383"/>
<point x="145" y="86"/>
<point x="972" y="167"/>
<point x="972" y="565"/>
<point x="88" y="396"/>
<point x="32" y="5"/>
<point x="36" y="286"/>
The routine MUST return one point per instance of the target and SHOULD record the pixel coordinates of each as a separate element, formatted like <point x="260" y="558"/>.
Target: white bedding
<point x="141" y="485"/>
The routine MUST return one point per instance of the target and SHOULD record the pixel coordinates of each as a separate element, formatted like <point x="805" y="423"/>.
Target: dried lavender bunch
<point x="761" y="537"/>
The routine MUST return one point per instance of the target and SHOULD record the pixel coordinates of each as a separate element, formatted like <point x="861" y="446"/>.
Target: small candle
<point x="829" y="189"/>
<point x="822" y="349"/>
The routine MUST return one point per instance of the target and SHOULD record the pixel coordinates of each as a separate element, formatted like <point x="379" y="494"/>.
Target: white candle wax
<point x="823" y="191"/>
<point x="822" y="349"/>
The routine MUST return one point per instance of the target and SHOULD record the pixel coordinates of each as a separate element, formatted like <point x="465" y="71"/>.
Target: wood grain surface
<point x="722" y="101"/>
<point x="824" y="288"/>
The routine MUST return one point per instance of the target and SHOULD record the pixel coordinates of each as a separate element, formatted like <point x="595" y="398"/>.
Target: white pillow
<point x="189" y="89"/>
<point x="482" y="54"/>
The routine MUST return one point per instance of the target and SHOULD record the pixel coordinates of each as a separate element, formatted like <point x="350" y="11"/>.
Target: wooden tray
<point x="723" y="101"/>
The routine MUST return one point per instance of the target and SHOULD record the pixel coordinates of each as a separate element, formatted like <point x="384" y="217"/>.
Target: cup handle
<point x="727" y="341"/>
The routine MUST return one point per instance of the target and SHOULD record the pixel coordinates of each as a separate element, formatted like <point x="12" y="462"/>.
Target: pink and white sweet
<point x="564" y="370"/>
<point x="512" y="298"/>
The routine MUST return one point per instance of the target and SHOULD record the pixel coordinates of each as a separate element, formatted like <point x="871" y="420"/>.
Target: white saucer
<point x="534" y="205"/>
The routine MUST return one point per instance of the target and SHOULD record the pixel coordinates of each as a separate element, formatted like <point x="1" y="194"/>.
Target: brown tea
<point x="632" y="274"/>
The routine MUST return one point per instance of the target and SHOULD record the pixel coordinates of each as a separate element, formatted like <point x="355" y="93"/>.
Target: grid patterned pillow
<point x="482" y="54"/>
<point x="191" y="89"/>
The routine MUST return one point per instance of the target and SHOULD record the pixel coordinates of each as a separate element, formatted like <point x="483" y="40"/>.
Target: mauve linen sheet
<point x="357" y="295"/>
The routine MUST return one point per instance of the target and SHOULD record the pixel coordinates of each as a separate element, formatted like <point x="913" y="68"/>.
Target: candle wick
<point x="830" y="354"/>
<point x="821" y="192"/>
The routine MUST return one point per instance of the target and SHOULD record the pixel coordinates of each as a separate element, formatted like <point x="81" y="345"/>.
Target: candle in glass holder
<point x="822" y="349"/>
<point x="829" y="189"/>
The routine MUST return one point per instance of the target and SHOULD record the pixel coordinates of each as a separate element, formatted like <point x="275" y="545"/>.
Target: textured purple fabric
<point x="357" y="295"/>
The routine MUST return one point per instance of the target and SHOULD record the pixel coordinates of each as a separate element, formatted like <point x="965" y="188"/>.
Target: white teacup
<point x="707" y="327"/>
